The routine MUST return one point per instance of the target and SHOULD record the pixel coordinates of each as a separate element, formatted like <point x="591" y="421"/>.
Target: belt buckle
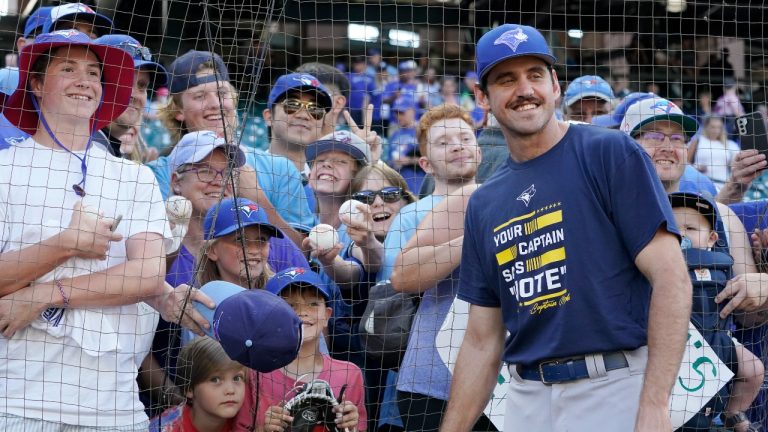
<point x="541" y="370"/>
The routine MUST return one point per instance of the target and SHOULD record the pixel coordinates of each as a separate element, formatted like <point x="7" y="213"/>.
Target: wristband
<point x="63" y="294"/>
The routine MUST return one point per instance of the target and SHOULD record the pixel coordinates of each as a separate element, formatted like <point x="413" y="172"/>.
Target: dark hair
<point x="200" y="359"/>
<point x="327" y="74"/>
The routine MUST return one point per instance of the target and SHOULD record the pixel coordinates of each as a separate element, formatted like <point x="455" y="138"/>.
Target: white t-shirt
<point x="716" y="157"/>
<point x="87" y="376"/>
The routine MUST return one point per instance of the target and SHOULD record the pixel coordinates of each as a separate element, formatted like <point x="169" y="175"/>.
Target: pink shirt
<point x="277" y="387"/>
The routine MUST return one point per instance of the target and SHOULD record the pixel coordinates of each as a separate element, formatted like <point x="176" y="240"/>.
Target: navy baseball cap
<point x="301" y="82"/>
<point x="343" y="141"/>
<point x="36" y="20"/>
<point x="222" y="219"/>
<point x="256" y="328"/>
<point x="142" y="56"/>
<point x="588" y="86"/>
<point x="297" y="276"/>
<point x="614" y="119"/>
<point x="77" y="11"/>
<point x="700" y="203"/>
<point x="510" y="41"/>
<point x="196" y="146"/>
<point x="185" y="68"/>
<point x="403" y="103"/>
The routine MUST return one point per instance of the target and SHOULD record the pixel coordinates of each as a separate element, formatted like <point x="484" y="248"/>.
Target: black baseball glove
<point x="312" y="408"/>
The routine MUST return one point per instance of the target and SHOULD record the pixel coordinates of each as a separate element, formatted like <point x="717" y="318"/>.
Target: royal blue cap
<point x="614" y="119"/>
<point x="256" y="328"/>
<point x="184" y="70"/>
<point x="509" y="41"/>
<point x="407" y="65"/>
<point x="196" y="146"/>
<point x="403" y="103"/>
<point x="77" y="11"/>
<point x="587" y="86"/>
<point x="302" y="82"/>
<point x="36" y="20"/>
<point x="142" y="56"/>
<point x="222" y="219"/>
<point x="471" y="75"/>
<point x="374" y="51"/>
<point x="297" y="276"/>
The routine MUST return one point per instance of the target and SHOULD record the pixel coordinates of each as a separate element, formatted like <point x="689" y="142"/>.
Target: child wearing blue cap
<point x="305" y="292"/>
<point x="214" y="386"/>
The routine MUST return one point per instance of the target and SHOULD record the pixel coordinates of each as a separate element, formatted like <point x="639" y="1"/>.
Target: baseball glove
<point x="312" y="408"/>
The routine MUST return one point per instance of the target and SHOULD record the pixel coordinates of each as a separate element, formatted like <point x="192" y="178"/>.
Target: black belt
<point x="568" y="369"/>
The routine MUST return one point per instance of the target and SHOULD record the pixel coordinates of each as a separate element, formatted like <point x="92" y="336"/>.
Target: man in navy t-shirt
<point x="571" y="248"/>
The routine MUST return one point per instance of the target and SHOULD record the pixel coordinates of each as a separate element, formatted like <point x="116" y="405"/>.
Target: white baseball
<point x="350" y="210"/>
<point x="323" y="237"/>
<point x="179" y="210"/>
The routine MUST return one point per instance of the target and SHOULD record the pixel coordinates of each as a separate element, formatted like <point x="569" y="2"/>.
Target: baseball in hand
<point x="350" y="210"/>
<point x="179" y="210"/>
<point x="323" y="238"/>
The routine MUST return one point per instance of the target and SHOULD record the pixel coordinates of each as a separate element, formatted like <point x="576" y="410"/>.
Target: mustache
<point x="523" y="101"/>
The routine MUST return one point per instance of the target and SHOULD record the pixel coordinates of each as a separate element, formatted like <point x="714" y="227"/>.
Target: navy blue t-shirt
<point x="552" y="241"/>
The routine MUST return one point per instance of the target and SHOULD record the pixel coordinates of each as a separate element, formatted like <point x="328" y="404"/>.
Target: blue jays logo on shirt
<point x="14" y="140"/>
<point x="527" y="195"/>
<point x="248" y="209"/>
<point x="307" y="80"/>
<point x="512" y="38"/>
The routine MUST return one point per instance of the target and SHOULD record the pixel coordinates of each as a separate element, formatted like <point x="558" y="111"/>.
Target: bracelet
<point x="63" y="294"/>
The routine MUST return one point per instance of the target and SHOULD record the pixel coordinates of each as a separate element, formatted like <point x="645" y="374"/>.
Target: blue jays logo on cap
<point x="512" y="38"/>
<point x="66" y="33"/>
<point x="294" y="273"/>
<point x="248" y="209"/>
<point x="663" y="107"/>
<point x="308" y="80"/>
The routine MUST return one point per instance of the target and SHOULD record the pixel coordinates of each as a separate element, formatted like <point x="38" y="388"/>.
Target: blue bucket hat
<point x="77" y="11"/>
<point x="297" y="276"/>
<point x="302" y="82"/>
<point x="222" y="219"/>
<point x="256" y="328"/>
<point x="509" y="41"/>
<point x="142" y="56"/>
<point x="36" y="20"/>
<point x="184" y="70"/>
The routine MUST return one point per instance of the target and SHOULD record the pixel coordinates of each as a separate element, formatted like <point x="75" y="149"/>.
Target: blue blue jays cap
<point x="343" y="141"/>
<point x="184" y="70"/>
<point x="142" y="56"/>
<point x="403" y="103"/>
<point x="614" y="119"/>
<point x="297" y="276"/>
<point x="653" y="109"/>
<point x="36" y="20"/>
<point x="231" y="214"/>
<point x="508" y="41"/>
<point x="301" y="82"/>
<point x="256" y="328"/>
<point x="196" y="146"/>
<point x="76" y="11"/>
<point x="587" y="86"/>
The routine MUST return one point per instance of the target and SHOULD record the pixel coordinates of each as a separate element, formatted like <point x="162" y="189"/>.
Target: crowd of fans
<point x="407" y="144"/>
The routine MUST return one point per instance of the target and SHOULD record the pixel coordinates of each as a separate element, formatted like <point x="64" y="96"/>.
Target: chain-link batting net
<point x="90" y="339"/>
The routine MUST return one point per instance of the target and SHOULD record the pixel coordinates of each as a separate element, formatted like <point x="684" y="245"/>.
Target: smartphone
<point x="752" y="132"/>
<point x="116" y="222"/>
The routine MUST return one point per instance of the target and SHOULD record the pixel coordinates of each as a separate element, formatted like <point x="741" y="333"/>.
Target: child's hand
<point x="277" y="419"/>
<point x="347" y="416"/>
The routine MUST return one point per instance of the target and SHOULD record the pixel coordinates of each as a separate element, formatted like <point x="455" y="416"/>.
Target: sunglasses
<point x="390" y="194"/>
<point x="292" y="106"/>
<point x="137" y="52"/>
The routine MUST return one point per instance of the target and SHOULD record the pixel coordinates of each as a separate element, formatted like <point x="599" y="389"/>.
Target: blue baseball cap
<point x="509" y="41"/>
<point x="77" y="11"/>
<point x="142" y="56"/>
<point x="256" y="328"/>
<point x="407" y="65"/>
<point x="588" y="86"/>
<point x="185" y="68"/>
<point x="36" y="20"/>
<point x="196" y="146"/>
<point x="222" y="219"/>
<point x="342" y="141"/>
<point x="653" y="109"/>
<point x="297" y="276"/>
<point x="614" y="119"/>
<point x="301" y="82"/>
<point x="403" y="103"/>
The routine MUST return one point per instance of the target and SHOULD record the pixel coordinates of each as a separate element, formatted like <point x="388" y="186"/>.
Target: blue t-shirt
<point x="406" y="89"/>
<point x="403" y="143"/>
<point x="277" y="176"/>
<point x="402" y="229"/>
<point x="552" y="241"/>
<point x="694" y="181"/>
<point x="360" y="86"/>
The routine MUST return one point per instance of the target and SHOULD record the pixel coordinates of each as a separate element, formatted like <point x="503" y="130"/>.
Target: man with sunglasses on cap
<point x="576" y="281"/>
<point x="148" y="74"/>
